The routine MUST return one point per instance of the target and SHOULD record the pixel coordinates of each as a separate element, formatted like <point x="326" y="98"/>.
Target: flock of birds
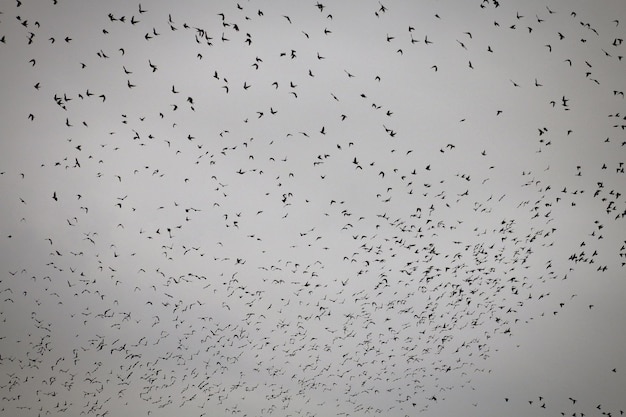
<point x="303" y="209"/>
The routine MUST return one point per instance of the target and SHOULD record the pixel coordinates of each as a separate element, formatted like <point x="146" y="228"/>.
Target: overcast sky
<point x="295" y="208"/>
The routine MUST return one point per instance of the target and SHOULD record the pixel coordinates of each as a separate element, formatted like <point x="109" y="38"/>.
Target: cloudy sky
<point x="312" y="209"/>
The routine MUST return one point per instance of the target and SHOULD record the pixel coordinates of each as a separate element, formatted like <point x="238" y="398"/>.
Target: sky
<point x="312" y="209"/>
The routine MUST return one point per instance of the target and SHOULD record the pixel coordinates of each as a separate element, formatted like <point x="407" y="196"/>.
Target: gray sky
<point x="305" y="209"/>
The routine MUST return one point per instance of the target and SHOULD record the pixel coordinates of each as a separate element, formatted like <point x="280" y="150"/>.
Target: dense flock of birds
<point x="300" y="208"/>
